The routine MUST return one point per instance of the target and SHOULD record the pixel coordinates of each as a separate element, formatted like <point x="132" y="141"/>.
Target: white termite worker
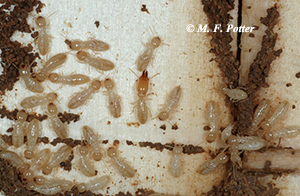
<point x="236" y="94"/>
<point x="96" y="62"/>
<point x="34" y="101"/>
<point x="59" y="156"/>
<point x="94" y="185"/>
<point x="144" y="59"/>
<point x="57" y="125"/>
<point x="285" y="132"/>
<point x="90" y="136"/>
<point x="19" y="127"/>
<point x="50" y="187"/>
<point x="85" y="166"/>
<point x="211" y="165"/>
<point x="53" y="63"/>
<point x="250" y="143"/>
<point x="114" y="100"/>
<point x="72" y="80"/>
<point x="226" y="133"/>
<point x="33" y="132"/>
<point x="175" y="167"/>
<point x="31" y="83"/>
<point x="44" y="39"/>
<point x="91" y="44"/>
<point x="278" y="114"/>
<point x="171" y="103"/>
<point x="40" y="160"/>
<point x="80" y="98"/>
<point x="212" y="115"/>
<point x="260" y="113"/>
<point x="14" y="159"/>
<point x="124" y="168"/>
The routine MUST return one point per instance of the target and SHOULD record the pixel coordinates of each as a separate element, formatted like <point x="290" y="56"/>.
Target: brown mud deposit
<point x="68" y="117"/>
<point x="187" y="149"/>
<point x="67" y="165"/>
<point x="238" y="182"/>
<point x="12" y="115"/>
<point x="68" y="141"/>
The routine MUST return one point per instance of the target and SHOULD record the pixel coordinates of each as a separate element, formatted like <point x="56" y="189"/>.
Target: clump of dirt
<point x="68" y="117"/>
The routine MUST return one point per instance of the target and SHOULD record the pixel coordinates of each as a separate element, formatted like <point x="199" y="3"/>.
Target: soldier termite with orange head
<point x="124" y="168"/>
<point x="171" y="103"/>
<point x="33" y="101"/>
<point x="81" y="97"/>
<point x="94" y="185"/>
<point x="92" y="44"/>
<point x="59" y="156"/>
<point x="53" y="63"/>
<point x="98" y="63"/>
<point x="44" y="39"/>
<point x="211" y="165"/>
<point x="31" y="83"/>
<point x="92" y="139"/>
<point x="59" y="127"/>
<point x="73" y="79"/>
<point x="234" y="94"/>
<point x="176" y="163"/>
<point x="33" y="132"/>
<point x="18" y="132"/>
<point x="277" y="115"/>
<point x="212" y="115"/>
<point x="84" y="164"/>
<point x="114" y="100"/>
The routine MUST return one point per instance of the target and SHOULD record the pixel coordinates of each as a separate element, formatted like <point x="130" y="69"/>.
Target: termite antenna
<point x="133" y="72"/>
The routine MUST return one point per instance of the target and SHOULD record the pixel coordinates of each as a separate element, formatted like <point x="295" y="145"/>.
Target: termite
<point x="51" y="187"/>
<point x="3" y="144"/>
<point x="114" y="100"/>
<point x="59" y="156"/>
<point x="72" y="80"/>
<point x="226" y="133"/>
<point x="18" y="132"/>
<point x="98" y="63"/>
<point x="235" y="155"/>
<point x="277" y="115"/>
<point x="286" y="132"/>
<point x="81" y="97"/>
<point x="176" y="163"/>
<point x="43" y="39"/>
<point x="33" y="132"/>
<point x="92" y="44"/>
<point x="124" y="168"/>
<point x="84" y="165"/>
<point x="41" y="159"/>
<point x="259" y="114"/>
<point x="92" y="139"/>
<point x="53" y="63"/>
<point x="171" y="103"/>
<point x="211" y="165"/>
<point x="33" y="101"/>
<point x="250" y="143"/>
<point x="94" y="185"/>
<point x="234" y="94"/>
<point x="59" y="127"/>
<point x="14" y="159"/>
<point x="212" y="115"/>
<point x="31" y="83"/>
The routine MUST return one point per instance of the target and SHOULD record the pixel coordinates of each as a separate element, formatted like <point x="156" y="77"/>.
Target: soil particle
<point x="187" y="149"/>
<point x="144" y="9"/>
<point x="69" y="141"/>
<point x="129" y="142"/>
<point x="34" y="34"/>
<point x="267" y="166"/>
<point x="67" y="165"/>
<point x="163" y="127"/>
<point x="45" y="140"/>
<point x="116" y="142"/>
<point x="175" y="126"/>
<point x="104" y="141"/>
<point x="288" y="84"/>
<point x="68" y="117"/>
<point x="297" y="75"/>
<point x="7" y="139"/>
<point x="97" y="23"/>
<point x="143" y="192"/>
<point x="206" y="128"/>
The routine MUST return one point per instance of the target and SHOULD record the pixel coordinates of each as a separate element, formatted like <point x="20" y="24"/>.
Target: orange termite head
<point x="143" y="83"/>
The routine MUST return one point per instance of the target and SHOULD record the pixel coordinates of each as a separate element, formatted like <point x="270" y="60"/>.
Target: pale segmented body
<point x="260" y="113"/>
<point x="43" y="40"/>
<point x="235" y="94"/>
<point x="114" y="100"/>
<point x="92" y="44"/>
<point x="211" y="165"/>
<point x="81" y="97"/>
<point x="212" y="115"/>
<point x="286" y="132"/>
<point x="33" y="101"/>
<point x="51" y="187"/>
<point x="59" y="156"/>
<point x="92" y="139"/>
<point x="53" y="63"/>
<point x="84" y="164"/>
<point x="176" y="163"/>
<point x="98" y="63"/>
<point x="33" y="132"/>
<point x="18" y="132"/>
<point x="124" y="168"/>
<point x="59" y="127"/>
<point x="31" y="83"/>
<point x="94" y="185"/>
<point x="14" y="159"/>
<point x="73" y="80"/>
<point x="41" y="159"/>
<point x="171" y="103"/>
